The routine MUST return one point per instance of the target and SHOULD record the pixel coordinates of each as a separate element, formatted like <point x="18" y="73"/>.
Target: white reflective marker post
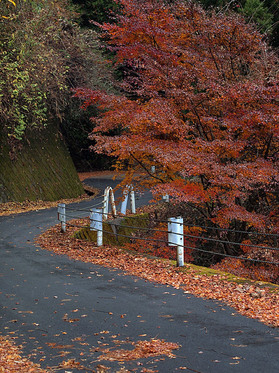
<point x="96" y="224"/>
<point x="176" y="238"/>
<point x="62" y="216"/>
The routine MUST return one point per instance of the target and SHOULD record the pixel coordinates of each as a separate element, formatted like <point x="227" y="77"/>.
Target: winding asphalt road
<point x="60" y="309"/>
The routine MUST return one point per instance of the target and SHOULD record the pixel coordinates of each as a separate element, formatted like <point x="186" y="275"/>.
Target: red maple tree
<point x="199" y="100"/>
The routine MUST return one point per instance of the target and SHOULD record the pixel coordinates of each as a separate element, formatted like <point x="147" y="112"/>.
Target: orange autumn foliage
<point x="258" y="266"/>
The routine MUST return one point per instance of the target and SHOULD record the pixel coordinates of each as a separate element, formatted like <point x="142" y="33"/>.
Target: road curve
<point x="60" y="309"/>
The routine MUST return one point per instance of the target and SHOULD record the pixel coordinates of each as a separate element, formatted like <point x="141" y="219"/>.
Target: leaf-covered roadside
<point x="252" y="299"/>
<point x="9" y="208"/>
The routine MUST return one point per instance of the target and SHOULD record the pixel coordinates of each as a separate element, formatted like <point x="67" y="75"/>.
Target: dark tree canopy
<point x="95" y="10"/>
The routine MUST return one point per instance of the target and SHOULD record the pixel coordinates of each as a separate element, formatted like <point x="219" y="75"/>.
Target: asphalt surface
<point x="60" y="309"/>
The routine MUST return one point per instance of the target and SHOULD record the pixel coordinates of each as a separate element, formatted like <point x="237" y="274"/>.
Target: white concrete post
<point x="133" y="201"/>
<point x="125" y="201"/>
<point x="128" y="192"/>
<point x="176" y="238"/>
<point x="109" y="197"/>
<point x="106" y="202"/>
<point x="166" y="198"/>
<point x="112" y="203"/>
<point x="96" y="224"/>
<point x="62" y="216"/>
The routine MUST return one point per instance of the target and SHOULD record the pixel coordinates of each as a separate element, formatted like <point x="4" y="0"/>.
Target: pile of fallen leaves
<point x="111" y="174"/>
<point x="253" y="299"/>
<point x="142" y="349"/>
<point x="11" y="360"/>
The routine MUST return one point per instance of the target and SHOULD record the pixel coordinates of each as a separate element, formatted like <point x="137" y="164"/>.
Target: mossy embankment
<point x="41" y="169"/>
<point x="118" y="231"/>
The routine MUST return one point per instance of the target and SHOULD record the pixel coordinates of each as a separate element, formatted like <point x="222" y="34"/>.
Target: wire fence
<point x="101" y="203"/>
<point x="65" y="212"/>
<point x="219" y="229"/>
